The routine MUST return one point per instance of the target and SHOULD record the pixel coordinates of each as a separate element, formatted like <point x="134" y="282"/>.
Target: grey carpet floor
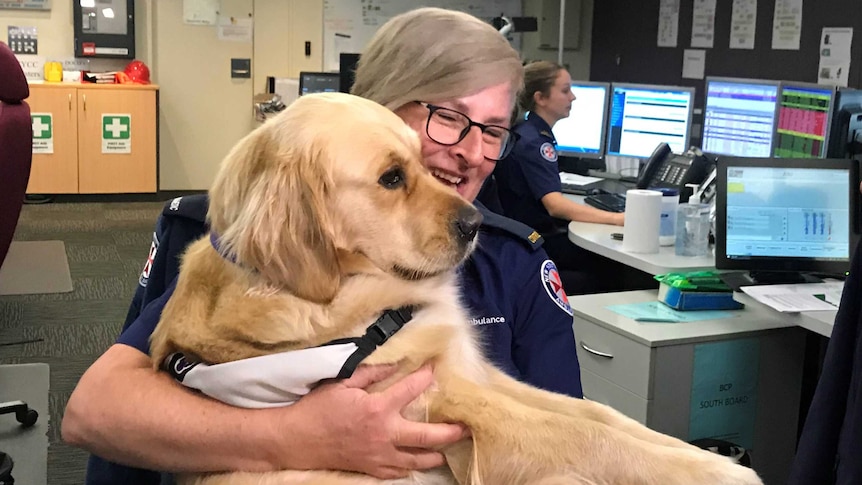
<point x="107" y="244"/>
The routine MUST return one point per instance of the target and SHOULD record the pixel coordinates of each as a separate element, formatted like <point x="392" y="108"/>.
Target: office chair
<point x="16" y="138"/>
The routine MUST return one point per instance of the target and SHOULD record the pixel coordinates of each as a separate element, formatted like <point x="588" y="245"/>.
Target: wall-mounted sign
<point x="117" y="133"/>
<point x="43" y="132"/>
<point x="22" y="40"/>
<point x="26" y="4"/>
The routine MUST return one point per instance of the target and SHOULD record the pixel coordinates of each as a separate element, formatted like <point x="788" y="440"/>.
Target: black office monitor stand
<point x="738" y="279"/>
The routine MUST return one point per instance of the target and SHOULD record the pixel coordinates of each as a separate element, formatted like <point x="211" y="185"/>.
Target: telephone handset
<point x="664" y="169"/>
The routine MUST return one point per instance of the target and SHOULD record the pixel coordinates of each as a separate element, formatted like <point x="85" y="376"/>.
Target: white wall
<point x="578" y="60"/>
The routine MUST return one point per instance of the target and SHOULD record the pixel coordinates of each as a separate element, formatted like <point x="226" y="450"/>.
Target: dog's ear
<point x="268" y="209"/>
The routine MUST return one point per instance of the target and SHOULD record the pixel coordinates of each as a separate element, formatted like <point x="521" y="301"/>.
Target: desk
<point x="597" y="238"/>
<point x="645" y="370"/>
<point x="27" y="447"/>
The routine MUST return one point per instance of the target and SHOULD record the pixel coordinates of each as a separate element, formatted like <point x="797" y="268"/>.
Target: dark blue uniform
<point x="512" y="290"/>
<point x="831" y="441"/>
<point x="529" y="173"/>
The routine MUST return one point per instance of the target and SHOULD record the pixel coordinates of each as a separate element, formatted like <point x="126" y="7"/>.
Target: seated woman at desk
<point x="529" y="188"/>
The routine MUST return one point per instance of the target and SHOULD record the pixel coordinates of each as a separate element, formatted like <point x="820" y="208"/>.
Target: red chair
<point x="16" y="145"/>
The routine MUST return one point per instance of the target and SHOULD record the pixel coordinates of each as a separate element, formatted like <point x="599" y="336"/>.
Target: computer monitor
<point x="582" y="133"/>
<point x="804" y="113"/>
<point x="739" y="117"/>
<point x="642" y="116"/>
<point x="318" y="82"/>
<point x="347" y="63"/>
<point x="781" y="218"/>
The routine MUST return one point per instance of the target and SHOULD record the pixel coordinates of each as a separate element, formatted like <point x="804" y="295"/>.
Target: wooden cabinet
<point x="647" y="372"/>
<point x="103" y="139"/>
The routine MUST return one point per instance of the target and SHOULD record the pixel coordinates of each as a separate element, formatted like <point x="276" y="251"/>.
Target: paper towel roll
<point x="643" y="217"/>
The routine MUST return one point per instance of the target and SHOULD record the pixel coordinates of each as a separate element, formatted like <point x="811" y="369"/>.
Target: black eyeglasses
<point x="448" y="127"/>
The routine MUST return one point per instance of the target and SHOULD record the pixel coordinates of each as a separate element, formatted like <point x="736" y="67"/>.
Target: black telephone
<point x="664" y="169"/>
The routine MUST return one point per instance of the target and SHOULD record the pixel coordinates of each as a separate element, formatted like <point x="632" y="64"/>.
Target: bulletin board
<point x="348" y="25"/>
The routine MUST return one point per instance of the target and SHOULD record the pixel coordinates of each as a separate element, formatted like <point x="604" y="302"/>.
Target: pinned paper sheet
<point x="668" y="23"/>
<point x="693" y="63"/>
<point x="743" y="24"/>
<point x="703" y="23"/>
<point x="835" y="56"/>
<point x="787" y="24"/>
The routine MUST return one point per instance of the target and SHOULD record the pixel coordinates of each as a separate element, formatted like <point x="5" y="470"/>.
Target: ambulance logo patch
<point x="148" y="266"/>
<point x="548" y="152"/>
<point x="554" y="285"/>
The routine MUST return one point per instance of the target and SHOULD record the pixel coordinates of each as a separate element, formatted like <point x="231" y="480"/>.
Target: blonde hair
<point x="466" y="55"/>
<point x="539" y="76"/>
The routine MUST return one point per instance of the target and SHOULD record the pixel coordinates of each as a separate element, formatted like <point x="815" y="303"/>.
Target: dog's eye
<point x="392" y="179"/>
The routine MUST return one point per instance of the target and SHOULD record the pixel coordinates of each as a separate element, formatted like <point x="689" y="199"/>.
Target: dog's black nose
<point x="467" y="222"/>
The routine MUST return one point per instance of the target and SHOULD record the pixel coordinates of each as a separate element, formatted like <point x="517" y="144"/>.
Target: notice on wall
<point x="668" y="23"/>
<point x="835" y="55"/>
<point x="693" y="63"/>
<point x="724" y="391"/>
<point x="116" y="133"/>
<point x="703" y="24"/>
<point x="43" y="132"/>
<point x="787" y="24"/>
<point x="743" y="24"/>
<point x="235" y="29"/>
<point x="26" y="4"/>
<point x="201" y="12"/>
<point x="22" y="40"/>
<point x="33" y="67"/>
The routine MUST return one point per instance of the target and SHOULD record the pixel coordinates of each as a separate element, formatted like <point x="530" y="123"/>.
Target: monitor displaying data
<point x="643" y="116"/>
<point x="786" y="214"/>
<point x="739" y="117"/>
<point x="318" y="82"/>
<point x="582" y="134"/>
<point x="804" y="112"/>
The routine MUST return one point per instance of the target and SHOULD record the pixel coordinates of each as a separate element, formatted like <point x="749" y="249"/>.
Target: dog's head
<point x="336" y="178"/>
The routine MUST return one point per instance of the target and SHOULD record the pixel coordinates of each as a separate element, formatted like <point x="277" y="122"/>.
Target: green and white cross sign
<point x="43" y="132"/>
<point x="116" y="133"/>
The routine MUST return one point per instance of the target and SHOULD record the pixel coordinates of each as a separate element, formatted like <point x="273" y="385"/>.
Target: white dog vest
<point x="281" y="379"/>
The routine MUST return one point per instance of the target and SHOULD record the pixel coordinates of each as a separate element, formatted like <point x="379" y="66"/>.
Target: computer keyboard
<point x="609" y="202"/>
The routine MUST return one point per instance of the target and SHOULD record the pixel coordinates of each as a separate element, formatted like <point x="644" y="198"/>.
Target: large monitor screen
<point x="786" y="214"/>
<point x="318" y="82"/>
<point x="582" y="134"/>
<point x="739" y="117"/>
<point x="804" y="112"/>
<point x="643" y="116"/>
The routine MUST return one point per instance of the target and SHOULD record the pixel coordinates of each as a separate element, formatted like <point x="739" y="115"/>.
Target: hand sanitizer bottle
<point x="692" y="227"/>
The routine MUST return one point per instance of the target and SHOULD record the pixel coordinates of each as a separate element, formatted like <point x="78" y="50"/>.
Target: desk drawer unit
<point x="602" y="391"/>
<point x="615" y="358"/>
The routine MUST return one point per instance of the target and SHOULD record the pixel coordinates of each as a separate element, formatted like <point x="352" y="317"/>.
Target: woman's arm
<point x="124" y="411"/>
<point x="560" y="207"/>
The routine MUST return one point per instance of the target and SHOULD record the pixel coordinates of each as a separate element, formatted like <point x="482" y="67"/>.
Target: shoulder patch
<point x="189" y="206"/>
<point x="550" y="278"/>
<point x="548" y="151"/>
<point x="148" y="266"/>
<point x="512" y="227"/>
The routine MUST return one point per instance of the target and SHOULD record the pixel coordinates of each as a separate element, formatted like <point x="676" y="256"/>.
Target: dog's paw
<point x="730" y="473"/>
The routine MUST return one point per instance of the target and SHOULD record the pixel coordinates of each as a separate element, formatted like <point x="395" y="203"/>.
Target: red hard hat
<point x="138" y="72"/>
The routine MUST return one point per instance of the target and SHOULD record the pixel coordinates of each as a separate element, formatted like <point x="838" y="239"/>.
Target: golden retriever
<point x="325" y="217"/>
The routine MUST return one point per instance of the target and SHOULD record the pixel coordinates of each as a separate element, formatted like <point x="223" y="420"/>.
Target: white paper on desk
<point x="798" y="298"/>
<point x="575" y="179"/>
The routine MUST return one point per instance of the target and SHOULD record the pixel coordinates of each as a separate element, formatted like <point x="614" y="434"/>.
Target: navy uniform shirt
<point x="529" y="173"/>
<point x="511" y="289"/>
